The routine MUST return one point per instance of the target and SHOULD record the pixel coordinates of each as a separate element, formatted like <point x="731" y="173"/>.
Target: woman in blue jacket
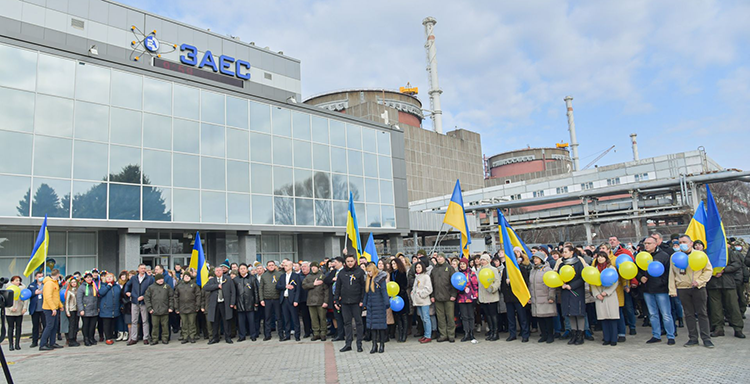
<point x="109" y="306"/>
<point x="376" y="303"/>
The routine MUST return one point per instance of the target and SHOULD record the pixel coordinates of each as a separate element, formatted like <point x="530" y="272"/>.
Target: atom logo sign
<point x="146" y="44"/>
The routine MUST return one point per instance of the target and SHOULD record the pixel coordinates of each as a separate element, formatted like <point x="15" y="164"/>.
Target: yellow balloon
<point x="643" y="259"/>
<point x="552" y="279"/>
<point x="16" y="291"/>
<point x="697" y="261"/>
<point x="393" y="289"/>
<point x="567" y="273"/>
<point x="628" y="270"/>
<point x="486" y="277"/>
<point x="592" y="276"/>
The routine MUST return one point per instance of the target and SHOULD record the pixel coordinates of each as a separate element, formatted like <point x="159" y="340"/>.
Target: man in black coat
<point x="302" y="309"/>
<point x="222" y="295"/>
<point x="248" y="301"/>
<point x="350" y="291"/>
<point x="289" y="287"/>
<point x="330" y="280"/>
<point x="656" y="293"/>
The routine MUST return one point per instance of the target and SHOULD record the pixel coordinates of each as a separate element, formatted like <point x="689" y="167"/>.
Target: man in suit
<point x="330" y="280"/>
<point x="35" y="308"/>
<point x="222" y="295"/>
<point x="289" y="287"/>
<point x="135" y="289"/>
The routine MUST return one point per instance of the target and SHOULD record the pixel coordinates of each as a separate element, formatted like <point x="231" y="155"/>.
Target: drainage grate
<point x="75" y="23"/>
<point x="267" y="76"/>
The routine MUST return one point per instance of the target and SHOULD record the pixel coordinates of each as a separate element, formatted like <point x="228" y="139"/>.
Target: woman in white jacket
<point x="420" y="297"/>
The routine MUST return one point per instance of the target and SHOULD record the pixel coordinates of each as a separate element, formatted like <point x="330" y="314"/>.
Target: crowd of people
<point x="346" y="299"/>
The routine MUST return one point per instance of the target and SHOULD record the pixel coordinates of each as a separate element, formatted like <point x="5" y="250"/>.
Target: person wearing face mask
<point x="722" y="297"/>
<point x="741" y="276"/>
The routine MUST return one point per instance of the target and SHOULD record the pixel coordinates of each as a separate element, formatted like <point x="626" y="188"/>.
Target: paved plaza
<point x="411" y="362"/>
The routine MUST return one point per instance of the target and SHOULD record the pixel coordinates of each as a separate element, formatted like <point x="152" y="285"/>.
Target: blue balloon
<point x="679" y="259"/>
<point x="397" y="304"/>
<point x="609" y="276"/>
<point x="25" y="294"/>
<point x="62" y="296"/>
<point x="621" y="259"/>
<point x="655" y="269"/>
<point x="459" y="281"/>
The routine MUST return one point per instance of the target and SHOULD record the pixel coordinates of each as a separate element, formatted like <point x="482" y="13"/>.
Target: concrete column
<point x="129" y="250"/>
<point x="332" y="246"/>
<point x="636" y="220"/>
<point x="416" y="240"/>
<point x="587" y="224"/>
<point x="395" y="244"/>
<point x="695" y="198"/>
<point x="248" y="248"/>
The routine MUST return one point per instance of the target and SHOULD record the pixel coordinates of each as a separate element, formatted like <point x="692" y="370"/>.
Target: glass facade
<point x="83" y="141"/>
<point x="68" y="251"/>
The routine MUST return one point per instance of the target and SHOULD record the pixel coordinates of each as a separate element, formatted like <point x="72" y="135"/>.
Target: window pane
<point x="14" y="195"/>
<point x="212" y="140"/>
<point x="304" y="211"/>
<point x="89" y="200"/>
<point x="92" y="83"/>
<point x="17" y="109"/>
<point x="124" y="164"/>
<point x="186" y="205"/>
<point x="186" y="137"/>
<point x="81" y="243"/>
<point x="127" y="90"/>
<point x="157" y="131"/>
<point x="340" y="187"/>
<point x="389" y="216"/>
<point x="90" y="161"/>
<point x="186" y="102"/>
<point x="262" y="210"/>
<point x="386" y="171"/>
<point x="52" y="156"/>
<point x="125" y="127"/>
<point x="384" y="143"/>
<point x="157" y="96"/>
<point x="56" y="244"/>
<point x="54" y="116"/>
<point x="340" y="213"/>
<point x="353" y="136"/>
<point x="282" y="151"/>
<point x="373" y="216"/>
<point x="283" y="181"/>
<point x="124" y="202"/>
<point x="260" y="148"/>
<point x="238" y="176"/>
<point x="261" y="179"/>
<point x="359" y="209"/>
<point x="319" y="129"/>
<point x="92" y="121"/>
<point x="322" y="185"/>
<point x="303" y="183"/>
<point x="80" y="263"/>
<point x="51" y="198"/>
<point x="355" y="162"/>
<point x="157" y="204"/>
<point x="338" y="133"/>
<point x="260" y="117"/>
<point x="321" y="157"/>
<point x="386" y="192"/>
<point x="56" y="76"/>
<point x="323" y="214"/>
<point x="282" y="121"/>
<point x="157" y="168"/>
<point x="371" y="165"/>
<point x="302" y="154"/>
<point x="238" y="208"/>
<point x="269" y="243"/>
<point x="301" y="126"/>
<point x="15" y="152"/>
<point x="238" y="146"/>
<point x="372" y="191"/>
<point x="283" y="210"/>
<point x="357" y="188"/>
<point x="237" y="112"/>
<point x="212" y="107"/>
<point x="338" y="160"/>
<point x="186" y="170"/>
<point x="212" y="174"/>
<point x="18" y="69"/>
<point x="370" y="139"/>
<point x="213" y="205"/>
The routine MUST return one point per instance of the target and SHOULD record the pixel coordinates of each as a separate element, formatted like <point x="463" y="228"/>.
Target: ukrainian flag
<point x="455" y="216"/>
<point x="370" y="252"/>
<point x="697" y="227"/>
<point x="198" y="261"/>
<point x="716" y="245"/>
<point x="352" y="228"/>
<point x="39" y="253"/>
<point x="511" y="240"/>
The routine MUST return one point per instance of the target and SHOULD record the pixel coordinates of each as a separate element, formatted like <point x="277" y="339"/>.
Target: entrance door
<point x="150" y="261"/>
<point x="182" y="260"/>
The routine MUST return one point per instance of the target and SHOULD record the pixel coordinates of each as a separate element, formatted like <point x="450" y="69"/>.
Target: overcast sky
<point x="677" y="73"/>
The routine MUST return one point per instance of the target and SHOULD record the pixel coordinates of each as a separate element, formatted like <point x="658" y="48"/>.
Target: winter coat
<point x="659" y="284"/>
<point x="376" y="302"/>
<point x="109" y="301"/>
<point x="267" y="287"/>
<point x="36" y="300"/>
<point x="248" y="296"/>
<point x="609" y="308"/>
<point x="87" y="298"/>
<point x="541" y="294"/>
<point x="472" y="283"/>
<point x="159" y="298"/>
<point x="188" y="297"/>
<point x="328" y="280"/>
<point x="726" y="280"/>
<point x="212" y="296"/>
<point x="316" y="295"/>
<point x="350" y="286"/>
<point x="138" y="289"/>
<point x="506" y="288"/>
<point x="19" y="306"/>
<point x="421" y="291"/>
<point x="403" y="282"/>
<point x="70" y="301"/>
<point x="490" y="294"/>
<point x="294" y="293"/>
<point x="683" y="278"/>
<point x="442" y="288"/>
<point x="51" y="293"/>
<point x="573" y="300"/>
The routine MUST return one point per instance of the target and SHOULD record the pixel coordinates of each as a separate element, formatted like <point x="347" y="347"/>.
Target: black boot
<point x="368" y="335"/>
<point x="382" y="344"/>
<point x="579" y="340"/>
<point x="467" y="335"/>
<point x="18" y="342"/>
<point x="573" y="337"/>
<point x="375" y="334"/>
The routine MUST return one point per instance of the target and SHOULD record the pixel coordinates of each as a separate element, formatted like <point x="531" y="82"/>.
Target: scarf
<point x="93" y="287"/>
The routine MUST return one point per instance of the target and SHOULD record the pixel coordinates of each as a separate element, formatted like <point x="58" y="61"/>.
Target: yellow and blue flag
<point x="352" y="228"/>
<point x="510" y="240"/>
<point x="455" y="216"/>
<point x="697" y="227"/>
<point x="198" y="261"/>
<point x="370" y="253"/>
<point x="39" y="253"/>
<point x="716" y="245"/>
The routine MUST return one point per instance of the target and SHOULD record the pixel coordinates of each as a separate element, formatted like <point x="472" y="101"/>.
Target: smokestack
<point x="432" y="73"/>
<point x="635" y="146"/>
<point x="572" y="129"/>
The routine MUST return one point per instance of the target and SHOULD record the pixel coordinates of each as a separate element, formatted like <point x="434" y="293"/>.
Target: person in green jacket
<point x="317" y="297"/>
<point x="269" y="299"/>
<point x="187" y="302"/>
<point x="159" y="299"/>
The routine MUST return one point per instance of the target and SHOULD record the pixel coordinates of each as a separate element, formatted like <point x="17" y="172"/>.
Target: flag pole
<point x="437" y="240"/>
